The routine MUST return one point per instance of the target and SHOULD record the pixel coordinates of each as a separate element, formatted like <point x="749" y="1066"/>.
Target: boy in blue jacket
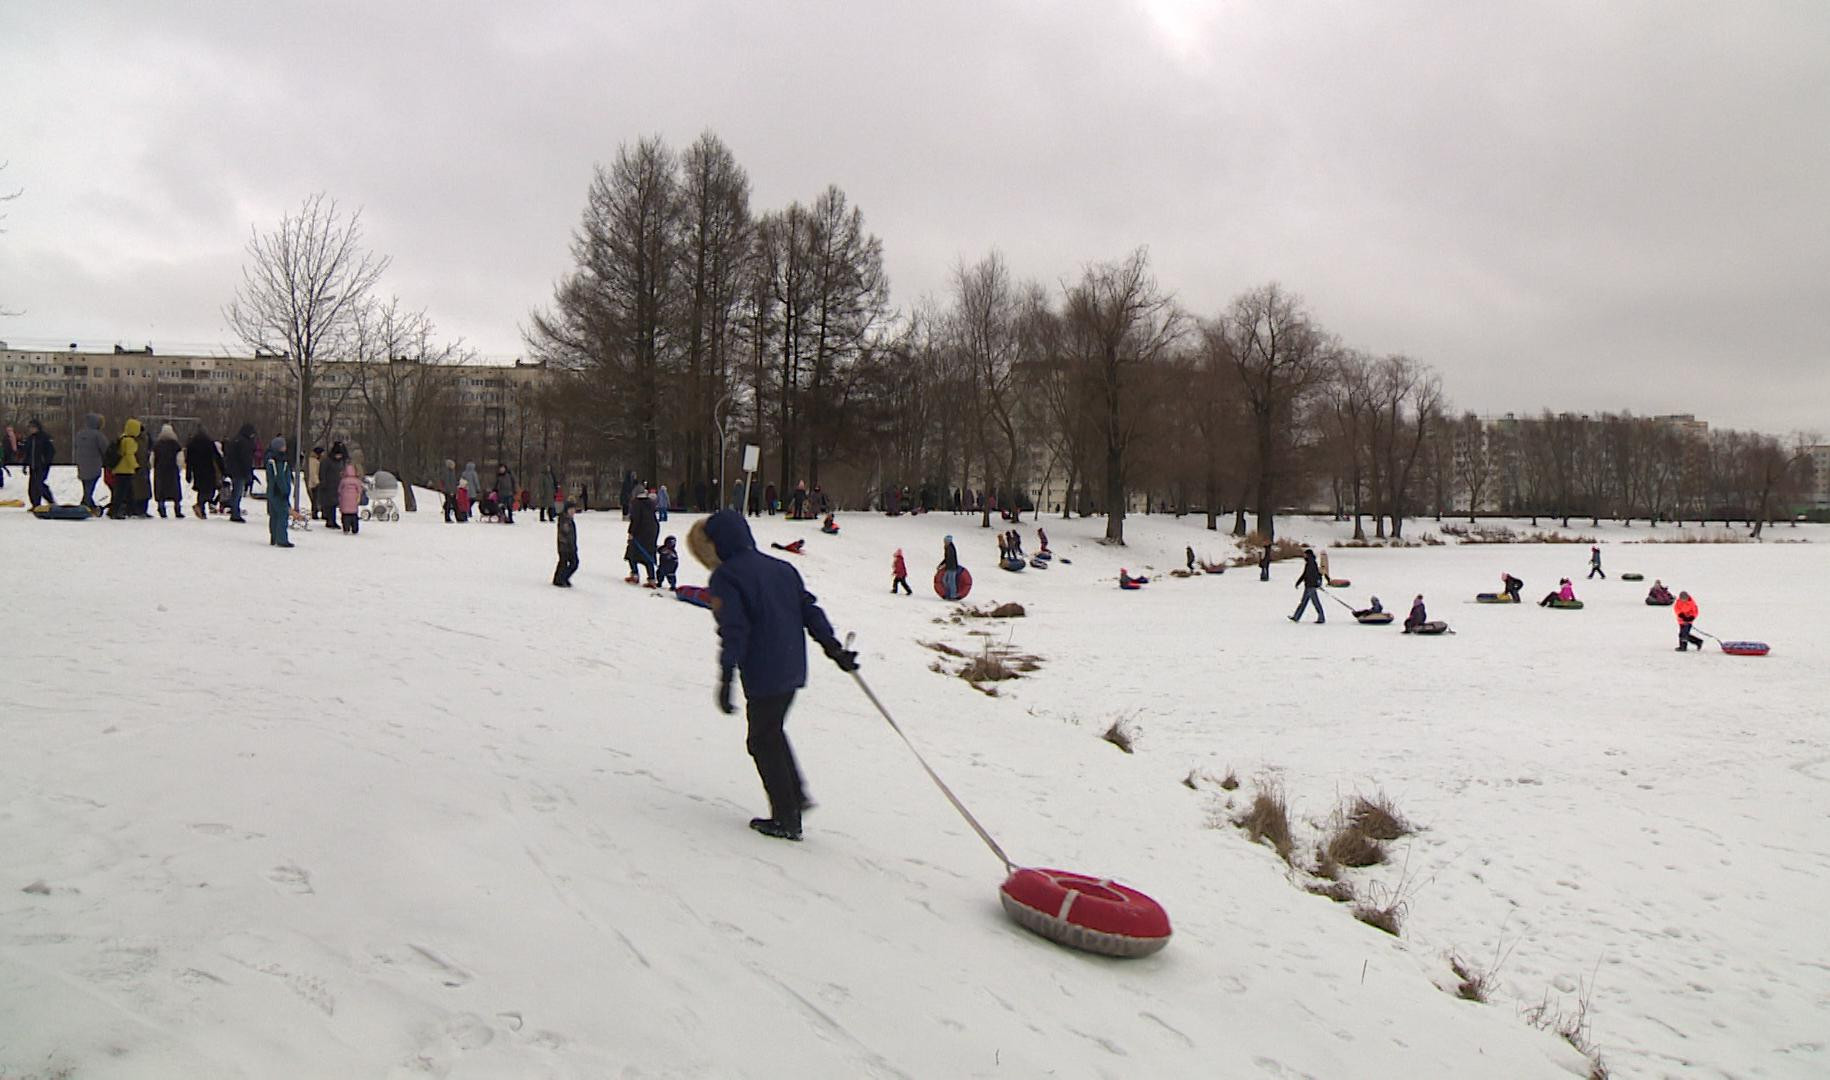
<point x="762" y="609"/>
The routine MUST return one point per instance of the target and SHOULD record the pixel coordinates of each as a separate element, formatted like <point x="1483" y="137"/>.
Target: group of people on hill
<point x="498" y="501"/>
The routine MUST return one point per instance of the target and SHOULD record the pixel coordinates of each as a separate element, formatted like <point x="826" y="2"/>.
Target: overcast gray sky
<point x="1572" y="204"/>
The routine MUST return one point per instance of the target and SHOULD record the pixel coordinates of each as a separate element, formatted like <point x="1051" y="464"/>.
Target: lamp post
<point x="718" y="420"/>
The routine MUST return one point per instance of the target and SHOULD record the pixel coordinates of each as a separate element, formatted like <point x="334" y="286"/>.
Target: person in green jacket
<point x="279" y="492"/>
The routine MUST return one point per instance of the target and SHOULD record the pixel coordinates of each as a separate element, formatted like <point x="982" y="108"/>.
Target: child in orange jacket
<point x="1686" y="611"/>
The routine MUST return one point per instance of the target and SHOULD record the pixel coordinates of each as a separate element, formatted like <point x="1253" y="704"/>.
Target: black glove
<point x="842" y="656"/>
<point x="724" y="696"/>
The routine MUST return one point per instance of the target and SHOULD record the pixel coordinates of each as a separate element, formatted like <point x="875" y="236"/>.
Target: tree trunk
<point x="1115" y="495"/>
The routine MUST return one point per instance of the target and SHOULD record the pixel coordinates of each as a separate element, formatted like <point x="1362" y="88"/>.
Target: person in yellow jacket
<point x="121" y="501"/>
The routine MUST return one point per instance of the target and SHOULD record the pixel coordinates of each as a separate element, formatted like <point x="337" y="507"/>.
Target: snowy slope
<point x="394" y="806"/>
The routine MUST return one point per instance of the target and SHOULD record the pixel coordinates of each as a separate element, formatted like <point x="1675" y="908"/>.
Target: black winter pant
<point x="568" y="565"/>
<point x="1595" y="570"/>
<point x="89" y="491"/>
<point x="903" y="584"/>
<point x="35" y="487"/>
<point x="768" y="744"/>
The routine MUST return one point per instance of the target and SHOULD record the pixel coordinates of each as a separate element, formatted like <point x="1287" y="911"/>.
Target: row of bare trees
<point x="688" y="322"/>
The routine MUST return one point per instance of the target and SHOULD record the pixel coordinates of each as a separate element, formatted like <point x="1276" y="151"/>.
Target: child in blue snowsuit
<point x="669" y="569"/>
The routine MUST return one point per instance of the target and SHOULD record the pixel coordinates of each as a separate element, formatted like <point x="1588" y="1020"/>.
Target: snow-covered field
<point x="394" y="806"/>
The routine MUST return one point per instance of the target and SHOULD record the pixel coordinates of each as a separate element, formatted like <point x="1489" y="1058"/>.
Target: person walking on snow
<point x="762" y="609"/>
<point x="1264" y="563"/>
<point x="505" y="493"/>
<point x="279" y="492"/>
<point x="451" y="483"/>
<point x="1686" y="611"/>
<point x="1310" y="581"/>
<point x="568" y="546"/>
<point x="91" y="444"/>
<point x="349" y="499"/>
<point x="644" y="536"/>
<point x="1595" y="564"/>
<point x="203" y="468"/>
<point x="661" y="504"/>
<point x="899" y="575"/>
<point x="238" y="461"/>
<point x="167" y="486"/>
<point x="314" y="479"/>
<point x="39" y="450"/>
<point x="545" y="494"/>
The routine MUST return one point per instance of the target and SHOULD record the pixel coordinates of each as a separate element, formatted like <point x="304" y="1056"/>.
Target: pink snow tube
<point x="1092" y="914"/>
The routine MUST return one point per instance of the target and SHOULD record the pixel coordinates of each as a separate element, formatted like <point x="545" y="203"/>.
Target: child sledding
<point x="1129" y="583"/>
<point x="1564" y="597"/>
<point x="793" y="548"/>
<point x="1509" y="593"/>
<point x="829" y="526"/>
<point x="1658" y="595"/>
<point x="1373" y="614"/>
<point x="1419" y="621"/>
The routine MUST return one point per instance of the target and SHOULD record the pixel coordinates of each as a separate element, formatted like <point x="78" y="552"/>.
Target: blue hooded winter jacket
<point x="762" y="609"/>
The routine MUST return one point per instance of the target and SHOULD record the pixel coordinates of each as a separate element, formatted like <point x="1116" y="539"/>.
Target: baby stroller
<point x="383" y="493"/>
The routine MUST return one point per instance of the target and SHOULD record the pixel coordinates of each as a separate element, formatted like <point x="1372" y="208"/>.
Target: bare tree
<point x="985" y="320"/>
<point x="301" y="290"/>
<point x="1473" y="464"/>
<point x="717" y="235"/>
<point x="406" y="382"/>
<point x="1120" y="323"/>
<point x="1413" y="414"/>
<point x="1281" y="359"/>
<point x="7" y="197"/>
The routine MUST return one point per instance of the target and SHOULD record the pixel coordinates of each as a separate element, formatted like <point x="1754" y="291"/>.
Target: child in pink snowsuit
<point x="349" y="499"/>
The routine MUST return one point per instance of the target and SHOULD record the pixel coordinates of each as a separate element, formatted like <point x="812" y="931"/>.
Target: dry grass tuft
<point x="1230" y="781"/>
<point x="1267" y="821"/>
<point x="987" y="667"/>
<point x="1574" y="1029"/>
<point x="1472" y="984"/>
<point x="944" y="648"/>
<point x="1349" y="846"/>
<point x="1377" y="818"/>
<point x="1189" y="780"/>
<point x="1121" y="735"/>
<point x="1341" y="892"/>
<point x="1386" y="917"/>
<point x="1002" y="611"/>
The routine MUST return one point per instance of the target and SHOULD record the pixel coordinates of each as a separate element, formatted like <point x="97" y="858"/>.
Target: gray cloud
<point x="1558" y="204"/>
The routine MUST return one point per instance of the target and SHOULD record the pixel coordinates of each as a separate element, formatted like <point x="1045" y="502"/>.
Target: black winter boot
<point x="772" y="827"/>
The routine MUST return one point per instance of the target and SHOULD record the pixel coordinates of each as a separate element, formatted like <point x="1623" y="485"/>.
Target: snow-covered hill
<point x="394" y="806"/>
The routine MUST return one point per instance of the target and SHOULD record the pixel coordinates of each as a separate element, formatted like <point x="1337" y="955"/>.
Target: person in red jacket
<point x="899" y="575"/>
<point x="1686" y="611"/>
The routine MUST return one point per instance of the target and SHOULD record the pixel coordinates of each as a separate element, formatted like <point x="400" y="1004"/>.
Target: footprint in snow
<point x="292" y="878"/>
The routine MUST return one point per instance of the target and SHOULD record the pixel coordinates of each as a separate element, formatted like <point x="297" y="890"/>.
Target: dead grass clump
<point x="1002" y="611"/>
<point x="1230" y="781"/>
<point x="1572" y="1027"/>
<point x="1267" y="821"/>
<point x="987" y="666"/>
<point x="1122" y="735"/>
<point x="1341" y="892"/>
<point x="1189" y="780"/>
<point x="1377" y="818"/>
<point x="1388" y="917"/>
<point x="944" y="648"/>
<point x="1472" y="984"/>
<point x="1253" y="548"/>
<point x="1349" y="846"/>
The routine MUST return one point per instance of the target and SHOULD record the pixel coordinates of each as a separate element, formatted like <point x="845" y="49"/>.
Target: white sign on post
<point x="752" y="455"/>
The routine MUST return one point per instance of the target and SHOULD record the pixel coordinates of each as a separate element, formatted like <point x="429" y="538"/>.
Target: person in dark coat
<point x="1310" y="581"/>
<point x="549" y="486"/>
<point x="330" y="474"/>
<point x="763" y="609"/>
<point x="568" y="546"/>
<point x="91" y="444"/>
<point x="1513" y="585"/>
<point x="627" y="491"/>
<point x="167" y="484"/>
<point x="203" y="468"/>
<point x="1418" y="616"/>
<point x="238" y="466"/>
<point x="644" y="535"/>
<point x="505" y="493"/>
<point x="279" y="492"/>
<point x="38" y="451"/>
<point x="1264" y="563"/>
<point x="668" y="565"/>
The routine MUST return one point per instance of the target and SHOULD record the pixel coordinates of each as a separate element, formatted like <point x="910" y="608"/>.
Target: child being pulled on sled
<point x="1376" y="609"/>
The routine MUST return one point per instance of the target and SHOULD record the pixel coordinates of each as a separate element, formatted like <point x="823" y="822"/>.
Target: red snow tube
<point x="1087" y="913"/>
<point x="962" y="586"/>
<point x="1744" y="648"/>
